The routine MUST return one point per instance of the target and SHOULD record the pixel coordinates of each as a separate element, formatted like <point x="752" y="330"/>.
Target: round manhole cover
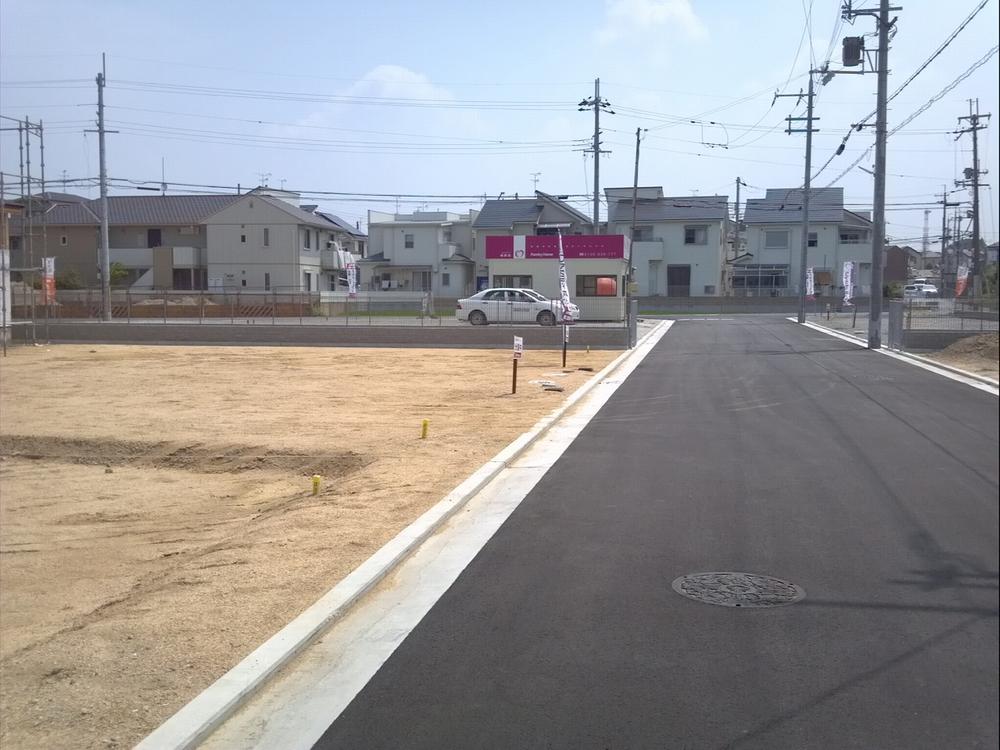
<point x="738" y="589"/>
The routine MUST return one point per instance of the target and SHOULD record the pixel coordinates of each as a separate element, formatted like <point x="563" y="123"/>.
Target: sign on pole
<point x="518" y="347"/>
<point x="48" y="280"/>
<point x="564" y="300"/>
<point x="810" y="283"/>
<point x="352" y="280"/>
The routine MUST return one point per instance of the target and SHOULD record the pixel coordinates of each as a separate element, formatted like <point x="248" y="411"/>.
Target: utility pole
<point x="105" y="245"/>
<point x="635" y="208"/>
<point x="946" y="263"/>
<point x="598" y="104"/>
<point x="972" y="177"/>
<point x="806" y="184"/>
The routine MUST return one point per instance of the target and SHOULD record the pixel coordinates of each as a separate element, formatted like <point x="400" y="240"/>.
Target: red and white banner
<point x="546" y="247"/>
<point x="48" y="280"/>
<point x="961" y="280"/>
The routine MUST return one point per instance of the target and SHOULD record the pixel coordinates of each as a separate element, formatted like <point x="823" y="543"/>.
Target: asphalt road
<point x="746" y="445"/>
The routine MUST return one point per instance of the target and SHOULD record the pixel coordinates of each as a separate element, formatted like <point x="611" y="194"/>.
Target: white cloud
<point x="625" y="18"/>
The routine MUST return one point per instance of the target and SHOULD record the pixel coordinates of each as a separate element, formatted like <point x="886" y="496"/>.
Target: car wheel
<point x="478" y="318"/>
<point x="546" y="318"/>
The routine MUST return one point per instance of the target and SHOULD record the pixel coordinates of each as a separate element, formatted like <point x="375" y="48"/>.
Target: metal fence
<point x="289" y="307"/>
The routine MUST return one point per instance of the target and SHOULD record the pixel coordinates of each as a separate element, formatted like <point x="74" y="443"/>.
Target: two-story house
<point x="679" y="245"/>
<point x="774" y="237"/>
<point x="158" y="239"/>
<point x="541" y="215"/>
<point x="424" y="251"/>
<point x="264" y="240"/>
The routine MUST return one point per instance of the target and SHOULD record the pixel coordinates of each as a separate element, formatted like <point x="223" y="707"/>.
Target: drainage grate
<point x="738" y="589"/>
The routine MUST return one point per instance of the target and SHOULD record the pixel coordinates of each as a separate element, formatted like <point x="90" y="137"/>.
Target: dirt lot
<point x="978" y="354"/>
<point x="157" y="522"/>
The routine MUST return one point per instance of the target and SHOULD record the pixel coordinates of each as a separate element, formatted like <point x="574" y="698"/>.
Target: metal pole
<point x="105" y="246"/>
<point x="806" y="189"/>
<point x="31" y="226"/>
<point x="944" y="236"/>
<point x="878" y="204"/>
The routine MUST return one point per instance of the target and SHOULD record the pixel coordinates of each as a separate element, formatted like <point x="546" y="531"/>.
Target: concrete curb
<point x="202" y="715"/>
<point x="922" y="362"/>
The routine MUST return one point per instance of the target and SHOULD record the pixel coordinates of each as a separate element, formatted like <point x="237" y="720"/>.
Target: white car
<point x="920" y="290"/>
<point x="508" y="305"/>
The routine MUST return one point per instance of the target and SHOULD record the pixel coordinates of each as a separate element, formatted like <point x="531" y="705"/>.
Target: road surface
<point x="737" y="445"/>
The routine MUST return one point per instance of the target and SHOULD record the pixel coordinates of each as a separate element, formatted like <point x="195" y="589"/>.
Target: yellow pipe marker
<point x="423" y="429"/>
<point x="316" y="480"/>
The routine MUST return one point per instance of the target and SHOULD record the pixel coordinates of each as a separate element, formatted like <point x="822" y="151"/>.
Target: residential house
<point x="423" y="251"/>
<point x="679" y="244"/>
<point x="774" y="236"/>
<point x="541" y="215"/>
<point x="264" y="240"/>
<point x="158" y="239"/>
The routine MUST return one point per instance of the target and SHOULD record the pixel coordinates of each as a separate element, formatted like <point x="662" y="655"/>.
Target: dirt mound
<point x="986" y="345"/>
<point x="195" y="457"/>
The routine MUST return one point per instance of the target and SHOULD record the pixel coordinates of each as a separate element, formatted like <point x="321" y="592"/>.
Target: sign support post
<point x="518" y="352"/>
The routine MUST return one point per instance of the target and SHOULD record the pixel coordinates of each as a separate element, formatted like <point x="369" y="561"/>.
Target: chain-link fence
<point x="294" y="307"/>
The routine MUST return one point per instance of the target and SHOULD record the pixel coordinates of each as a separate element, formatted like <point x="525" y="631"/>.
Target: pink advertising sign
<point x="575" y="247"/>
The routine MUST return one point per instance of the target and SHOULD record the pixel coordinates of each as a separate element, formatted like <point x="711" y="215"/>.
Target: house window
<point x="267" y="280"/>
<point x="445" y="279"/>
<point x="307" y="281"/>
<point x="776" y="239"/>
<point x="408" y="241"/>
<point x="243" y="239"/>
<point x="517" y="282"/>
<point x="308" y="238"/>
<point x="642" y="234"/>
<point x="267" y="237"/>
<point x="596" y="286"/>
<point x="696" y="235"/>
<point x="848" y="237"/>
<point x="760" y="277"/>
<point x="63" y="240"/>
<point x="812" y="239"/>
<point x="447" y="234"/>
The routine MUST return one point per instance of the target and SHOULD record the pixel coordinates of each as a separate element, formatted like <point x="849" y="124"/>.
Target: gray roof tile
<point x="784" y="206"/>
<point x="501" y="214"/>
<point x="683" y="208"/>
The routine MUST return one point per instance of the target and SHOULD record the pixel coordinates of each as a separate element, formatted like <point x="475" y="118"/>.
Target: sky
<point x="441" y="103"/>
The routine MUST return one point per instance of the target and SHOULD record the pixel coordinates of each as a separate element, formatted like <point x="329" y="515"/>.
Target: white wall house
<point x="425" y="251"/>
<point x="265" y="242"/>
<point x="679" y="246"/>
<point x="541" y="215"/>
<point x="774" y="237"/>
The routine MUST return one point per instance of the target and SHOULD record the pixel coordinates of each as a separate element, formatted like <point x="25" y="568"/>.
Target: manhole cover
<point x="738" y="589"/>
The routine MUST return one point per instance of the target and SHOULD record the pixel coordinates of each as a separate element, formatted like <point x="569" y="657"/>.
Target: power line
<point x="934" y="99"/>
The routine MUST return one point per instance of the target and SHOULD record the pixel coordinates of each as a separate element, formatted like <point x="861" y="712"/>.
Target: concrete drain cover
<point x="738" y="589"/>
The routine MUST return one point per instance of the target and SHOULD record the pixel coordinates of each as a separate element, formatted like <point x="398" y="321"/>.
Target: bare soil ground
<point x="977" y="354"/>
<point x="156" y="515"/>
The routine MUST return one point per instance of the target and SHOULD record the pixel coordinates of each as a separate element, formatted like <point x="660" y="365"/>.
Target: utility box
<point x="854" y="48"/>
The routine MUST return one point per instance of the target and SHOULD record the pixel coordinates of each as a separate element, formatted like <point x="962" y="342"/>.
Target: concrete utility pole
<point x="597" y="104"/>
<point x="946" y="263"/>
<point x="105" y="244"/>
<point x="806" y="184"/>
<point x="972" y="178"/>
<point x="635" y="208"/>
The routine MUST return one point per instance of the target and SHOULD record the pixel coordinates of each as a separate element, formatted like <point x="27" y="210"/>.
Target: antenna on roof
<point x="163" y="176"/>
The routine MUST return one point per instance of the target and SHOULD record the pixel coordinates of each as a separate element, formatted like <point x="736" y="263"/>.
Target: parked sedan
<point x="512" y="306"/>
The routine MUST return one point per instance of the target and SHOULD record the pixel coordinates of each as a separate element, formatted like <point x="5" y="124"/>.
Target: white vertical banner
<point x="810" y="282"/>
<point x="564" y="300"/>
<point x="847" y="280"/>
<point x="352" y="280"/>
<point x="5" y="288"/>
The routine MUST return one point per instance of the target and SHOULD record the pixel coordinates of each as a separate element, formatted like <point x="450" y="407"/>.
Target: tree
<point x="119" y="274"/>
